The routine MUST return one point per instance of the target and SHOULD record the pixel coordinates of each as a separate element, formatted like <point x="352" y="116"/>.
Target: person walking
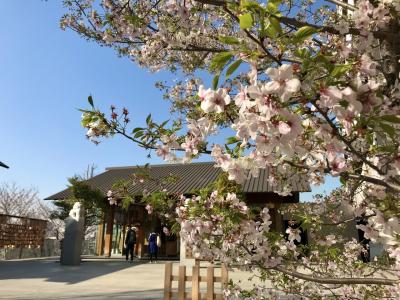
<point x="154" y="241"/>
<point x="130" y="242"/>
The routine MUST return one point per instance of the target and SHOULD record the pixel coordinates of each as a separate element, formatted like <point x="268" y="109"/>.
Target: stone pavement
<point x="95" y="278"/>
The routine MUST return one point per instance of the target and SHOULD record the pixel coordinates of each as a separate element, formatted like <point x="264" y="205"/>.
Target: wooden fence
<point x="195" y="278"/>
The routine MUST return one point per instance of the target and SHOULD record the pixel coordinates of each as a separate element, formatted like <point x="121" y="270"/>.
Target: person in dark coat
<point x="153" y="247"/>
<point x="130" y="242"/>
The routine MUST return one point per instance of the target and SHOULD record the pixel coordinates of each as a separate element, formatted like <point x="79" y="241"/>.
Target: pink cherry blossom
<point x="282" y="83"/>
<point x="215" y="101"/>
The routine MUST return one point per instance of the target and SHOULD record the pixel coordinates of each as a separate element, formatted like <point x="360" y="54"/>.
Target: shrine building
<point x="187" y="179"/>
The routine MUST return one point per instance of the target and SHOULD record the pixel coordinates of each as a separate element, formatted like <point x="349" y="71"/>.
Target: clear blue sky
<point x="45" y="75"/>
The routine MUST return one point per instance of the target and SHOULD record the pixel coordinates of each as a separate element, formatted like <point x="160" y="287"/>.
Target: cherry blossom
<point x="282" y="83"/>
<point x="215" y="101"/>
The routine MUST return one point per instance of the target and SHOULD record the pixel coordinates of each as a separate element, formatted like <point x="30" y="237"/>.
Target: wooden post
<point x="224" y="276"/>
<point x="168" y="281"/>
<point x="140" y="242"/>
<point x="109" y="232"/>
<point x="195" y="282"/>
<point x="210" y="282"/>
<point x="182" y="283"/>
<point x="100" y="239"/>
<point x="124" y="229"/>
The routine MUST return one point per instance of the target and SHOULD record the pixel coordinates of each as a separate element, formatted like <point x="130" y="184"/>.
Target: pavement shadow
<point x="54" y="272"/>
<point x="156" y="294"/>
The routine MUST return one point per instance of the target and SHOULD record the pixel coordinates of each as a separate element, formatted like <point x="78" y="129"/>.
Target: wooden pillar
<point x="224" y="276"/>
<point x="168" y="281"/>
<point x="100" y="239"/>
<point x="124" y="230"/>
<point x="182" y="283"/>
<point x="109" y="232"/>
<point x="140" y="242"/>
<point x="195" y="281"/>
<point x="139" y="213"/>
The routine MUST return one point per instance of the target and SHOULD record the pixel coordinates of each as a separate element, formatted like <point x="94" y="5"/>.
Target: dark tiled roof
<point x="189" y="177"/>
<point x="3" y="165"/>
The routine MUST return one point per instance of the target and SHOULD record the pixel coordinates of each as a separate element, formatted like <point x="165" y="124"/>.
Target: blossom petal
<point x="293" y="85"/>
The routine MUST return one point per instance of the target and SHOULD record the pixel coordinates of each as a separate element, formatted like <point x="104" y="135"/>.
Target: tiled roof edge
<point x="159" y="165"/>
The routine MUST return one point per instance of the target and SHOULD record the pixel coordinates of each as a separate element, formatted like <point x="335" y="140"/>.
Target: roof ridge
<point x="160" y="165"/>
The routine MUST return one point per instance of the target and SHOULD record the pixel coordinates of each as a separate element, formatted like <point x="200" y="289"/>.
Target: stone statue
<point x="73" y="236"/>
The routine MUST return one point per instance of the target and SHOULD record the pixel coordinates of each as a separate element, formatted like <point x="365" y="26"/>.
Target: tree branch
<point x="254" y="39"/>
<point x="212" y="2"/>
<point x="344" y="280"/>
<point x="347" y="143"/>
<point x="373" y="180"/>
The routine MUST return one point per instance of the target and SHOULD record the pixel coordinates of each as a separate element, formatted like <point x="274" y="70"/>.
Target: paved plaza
<point x="95" y="278"/>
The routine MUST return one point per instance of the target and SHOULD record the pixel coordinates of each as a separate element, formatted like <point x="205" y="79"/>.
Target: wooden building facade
<point x="187" y="179"/>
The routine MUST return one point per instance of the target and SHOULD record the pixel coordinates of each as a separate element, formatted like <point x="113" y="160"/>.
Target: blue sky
<point x="45" y="75"/>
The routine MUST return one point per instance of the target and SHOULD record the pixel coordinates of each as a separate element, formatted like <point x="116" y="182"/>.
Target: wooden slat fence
<point x="195" y="278"/>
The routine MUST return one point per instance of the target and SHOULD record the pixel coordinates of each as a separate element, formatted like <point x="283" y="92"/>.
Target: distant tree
<point x="18" y="201"/>
<point x="55" y="227"/>
<point x="92" y="200"/>
<point x="25" y="202"/>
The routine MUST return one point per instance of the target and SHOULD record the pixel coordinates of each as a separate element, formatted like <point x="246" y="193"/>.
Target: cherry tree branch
<point x="143" y="144"/>
<point x="321" y="280"/>
<point x="373" y="180"/>
<point x="253" y="38"/>
<point x="286" y="20"/>
<point x="343" y="280"/>
<point x="336" y="132"/>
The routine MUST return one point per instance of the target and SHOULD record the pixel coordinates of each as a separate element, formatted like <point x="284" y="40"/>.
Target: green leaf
<point x="246" y="21"/>
<point x="339" y="70"/>
<point x="304" y="32"/>
<point x="325" y="61"/>
<point x="137" y="129"/>
<point x="232" y="68"/>
<point x="231" y="140"/>
<point x="276" y="25"/>
<point x="370" y="138"/>
<point x="251" y="5"/>
<point x="164" y="123"/>
<point x="344" y="103"/>
<point x="215" y="81"/>
<point x="230" y="40"/>
<point x="148" y="119"/>
<point x="86" y="120"/>
<point x="272" y="6"/>
<point x="388" y="129"/>
<point x="85" y="110"/>
<point x="138" y="134"/>
<point x="90" y="100"/>
<point x="302" y="53"/>
<point x="219" y="61"/>
<point x="391" y="118"/>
